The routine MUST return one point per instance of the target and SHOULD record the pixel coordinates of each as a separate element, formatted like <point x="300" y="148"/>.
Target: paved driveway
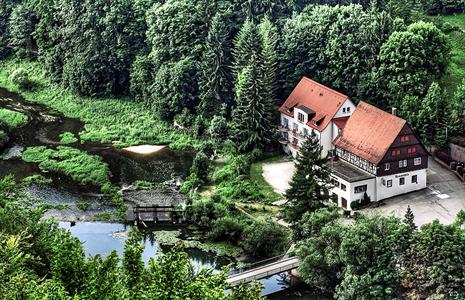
<point x="442" y="200"/>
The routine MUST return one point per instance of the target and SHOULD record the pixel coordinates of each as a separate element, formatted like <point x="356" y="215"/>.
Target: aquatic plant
<point x="12" y="119"/>
<point x="67" y="138"/>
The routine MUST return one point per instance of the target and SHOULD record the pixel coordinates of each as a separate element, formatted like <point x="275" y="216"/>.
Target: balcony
<point x="283" y="128"/>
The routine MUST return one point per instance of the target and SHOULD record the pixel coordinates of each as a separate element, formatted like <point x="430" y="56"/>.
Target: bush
<point x="219" y="129"/>
<point x="227" y="229"/>
<point x="355" y="205"/>
<point x="192" y="182"/>
<point x="264" y="239"/>
<point x="200" y="166"/>
<point x="365" y="200"/>
<point x="20" y="77"/>
<point x="204" y="212"/>
<point x="208" y="148"/>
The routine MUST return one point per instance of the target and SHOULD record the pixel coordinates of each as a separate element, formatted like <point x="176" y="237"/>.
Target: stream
<point x="44" y="128"/>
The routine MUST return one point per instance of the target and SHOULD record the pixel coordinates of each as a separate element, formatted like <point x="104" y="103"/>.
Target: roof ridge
<point x="326" y="87"/>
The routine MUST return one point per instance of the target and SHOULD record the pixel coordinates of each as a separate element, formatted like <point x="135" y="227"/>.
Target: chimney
<point x="394" y="111"/>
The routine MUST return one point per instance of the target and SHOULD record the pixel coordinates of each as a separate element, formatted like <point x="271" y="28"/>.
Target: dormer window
<point x="301" y="117"/>
<point x="348" y="109"/>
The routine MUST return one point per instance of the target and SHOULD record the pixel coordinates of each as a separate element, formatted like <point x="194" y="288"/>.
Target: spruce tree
<point x="251" y="127"/>
<point x="247" y="44"/>
<point x="269" y="59"/>
<point x="310" y="182"/>
<point x="409" y="218"/>
<point x="216" y="78"/>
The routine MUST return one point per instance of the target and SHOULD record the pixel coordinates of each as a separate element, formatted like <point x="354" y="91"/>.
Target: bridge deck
<point x="263" y="271"/>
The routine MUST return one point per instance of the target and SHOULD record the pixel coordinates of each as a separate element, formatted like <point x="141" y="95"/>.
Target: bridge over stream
<point x="263" y="269"/>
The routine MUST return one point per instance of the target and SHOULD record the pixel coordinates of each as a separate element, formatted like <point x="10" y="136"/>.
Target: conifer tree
<point x="251" y="127"/>
<point x="409" y="218"/>
<point x="216" y="78"/>
<point x="269" y="59"/>
<point x="247" y="44"/>
<point x="310" y="182"/>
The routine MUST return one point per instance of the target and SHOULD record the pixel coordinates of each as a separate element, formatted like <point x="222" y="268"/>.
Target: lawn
<point x="256" y="175"/>
<point x="456" y="71"/>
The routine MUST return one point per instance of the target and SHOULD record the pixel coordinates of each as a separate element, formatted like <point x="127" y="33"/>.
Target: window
<point x="343" y="187"/>
<point x="285" y="123"/>
<point x="417" y="161"/>
<point x="387" y="166"/>
<point x="296" y="127"/>
<point x="402" y="181"/>
<point x="360" y="189"/>
<point x="344" y="110"/>
<point x="335" y="182"/>
<point x="395" y="152"/>
<point x="389" y="183"/>
<point x="405" y="138"/>
<point x="295" y="141"/>
<point x="403" y="163"/>
<point x="348" y="109"/>
<point x="412" y="150"/>
<point x="414" y="179"/>
<point x="305" y="132"/>
<point x="301" y="117"/>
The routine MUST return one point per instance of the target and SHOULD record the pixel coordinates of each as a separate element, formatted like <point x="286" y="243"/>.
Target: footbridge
<point x="262" y="270"/>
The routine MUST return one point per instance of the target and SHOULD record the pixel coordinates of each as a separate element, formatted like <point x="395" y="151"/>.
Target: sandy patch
<point x="144" y="149"/>
<point x="278" y="175"/>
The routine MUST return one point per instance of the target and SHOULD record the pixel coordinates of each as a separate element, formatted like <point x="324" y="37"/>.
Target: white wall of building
<point x="384" y="192"/>
<point x="346" y="109"/>
<point x="349" y="193"/>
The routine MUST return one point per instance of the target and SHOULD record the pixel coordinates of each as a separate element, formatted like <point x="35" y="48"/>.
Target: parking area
<point x="442" y="200"/>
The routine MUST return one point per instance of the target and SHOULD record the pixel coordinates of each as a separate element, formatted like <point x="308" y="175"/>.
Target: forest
<point x="209" y="75"/>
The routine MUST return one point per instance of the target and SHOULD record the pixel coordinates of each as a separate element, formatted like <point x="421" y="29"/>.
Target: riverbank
<point x="120" y="121"/>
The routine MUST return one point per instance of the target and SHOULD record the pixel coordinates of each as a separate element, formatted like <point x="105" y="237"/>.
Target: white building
<point x="313" y="107"/>
<point x="377" y="155"/>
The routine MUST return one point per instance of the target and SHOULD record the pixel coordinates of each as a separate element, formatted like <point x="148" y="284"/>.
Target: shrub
<point x="354" y="205"/>
<point x="219" y="129"/>
<point x="192" y="182"/>
<point x="236" y="166"/>
<point x="208" y="148"/>
<point x="227" y="229"/>
<point x="264" y="239"/>
<point x="83" y="206"/>
<point x="20" y="77"/>
<point x="365" y="200"/>
<point x="200" y="166"/>
<point x="203" y="212"/>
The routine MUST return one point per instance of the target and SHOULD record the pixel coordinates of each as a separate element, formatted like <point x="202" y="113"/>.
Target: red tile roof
<point x="324" y="101"/>
<point x="340" y="122"/>
<point x="369" y="132"/>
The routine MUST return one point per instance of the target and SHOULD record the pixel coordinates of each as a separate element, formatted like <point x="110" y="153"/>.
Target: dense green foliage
<point x="39" y="260"/>
<point x="189" y="58"/>
<point x="381" y="257"/>
<point x="12" y="119"/>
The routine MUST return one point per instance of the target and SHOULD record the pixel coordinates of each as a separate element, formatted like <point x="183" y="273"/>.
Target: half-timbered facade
<point x="376" y="154"/>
